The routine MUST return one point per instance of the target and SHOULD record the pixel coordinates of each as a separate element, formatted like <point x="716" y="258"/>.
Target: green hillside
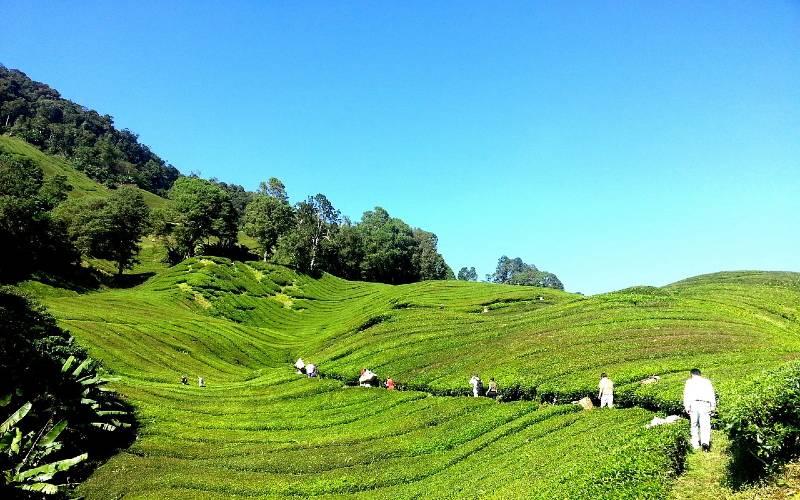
<point x="258" y="430"/>
<point x="81" y="184"/>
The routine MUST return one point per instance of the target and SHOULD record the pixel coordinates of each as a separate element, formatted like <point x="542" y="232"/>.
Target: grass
<point x="81" y="184"/>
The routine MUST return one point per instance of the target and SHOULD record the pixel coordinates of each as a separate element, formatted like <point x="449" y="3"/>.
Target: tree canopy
<point x="516" y="272"/>
<point x="108" y="228"/>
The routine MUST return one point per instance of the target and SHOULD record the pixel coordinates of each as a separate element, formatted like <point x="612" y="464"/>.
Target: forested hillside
<point x="38" y="114"/>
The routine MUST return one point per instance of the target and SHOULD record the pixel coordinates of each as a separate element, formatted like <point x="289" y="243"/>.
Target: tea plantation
<point x="259" y="430"/>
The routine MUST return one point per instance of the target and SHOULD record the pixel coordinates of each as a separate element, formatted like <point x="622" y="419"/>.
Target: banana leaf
<point x="67" y="364"/>
<point x="51" y="436"/>
<point x="46" y="472"/>
<point x="16" y="417"/>
<point x="44" y="488"/>
<point x="81" y="367"/>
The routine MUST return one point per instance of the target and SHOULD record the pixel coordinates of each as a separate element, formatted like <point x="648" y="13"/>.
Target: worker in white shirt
<point x="699" y="401"/>
<point x="606" y="391"/>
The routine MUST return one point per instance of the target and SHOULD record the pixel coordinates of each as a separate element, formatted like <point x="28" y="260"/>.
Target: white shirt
<point x="311" y="368"/>
<point x="474" y="382"/>
<point x="606" y="386"/>
<point x="698" y="388"/>
<point x="299" y="364"/>
<point x="366" y="376"/>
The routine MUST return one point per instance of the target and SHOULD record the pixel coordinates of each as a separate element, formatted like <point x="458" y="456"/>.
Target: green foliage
<point x="427" y="262"/>
<point x="29" y="237"/>
<point x="763" y="423"/>
<point x="516" y="272"/>
<point x="467" y="274"/>
<point x="198" y="212"/>
<point x="38" y="114"/>
<point x="389" y="246"/>
<point x="32" y="370"/>
<point x="108" y="228"/>
<point x="22" y="456"/>
<point x="266" y="219"/>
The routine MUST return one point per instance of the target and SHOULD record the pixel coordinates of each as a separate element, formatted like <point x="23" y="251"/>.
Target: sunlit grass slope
<point x="81" y="184"/>
<point x="257" y="430"/>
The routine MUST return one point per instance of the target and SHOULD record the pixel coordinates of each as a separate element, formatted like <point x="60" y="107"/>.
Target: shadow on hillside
<point x="129" y="280"/>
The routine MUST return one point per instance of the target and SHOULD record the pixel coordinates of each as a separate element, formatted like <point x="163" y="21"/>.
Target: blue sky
<point x="612" y="143"/>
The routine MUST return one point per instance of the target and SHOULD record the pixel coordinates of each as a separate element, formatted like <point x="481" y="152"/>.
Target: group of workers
<point x="477" y="387"/>
<point x="368" y="378"/>
<point x="309" y="370"/>
<point x="699" y="402"/>
<point x="201" y="382"/>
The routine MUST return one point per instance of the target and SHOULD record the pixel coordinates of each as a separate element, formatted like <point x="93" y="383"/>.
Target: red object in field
<point x="390" y="384"/>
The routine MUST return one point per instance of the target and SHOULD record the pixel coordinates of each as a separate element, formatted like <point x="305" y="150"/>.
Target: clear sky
<point x="612" y="143"/>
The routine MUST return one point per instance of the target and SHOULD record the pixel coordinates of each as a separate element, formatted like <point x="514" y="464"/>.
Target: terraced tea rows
<point x="258" y="430"/>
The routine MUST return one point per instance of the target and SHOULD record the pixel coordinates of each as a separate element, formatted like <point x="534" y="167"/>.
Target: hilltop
<point x="259" y="430"/>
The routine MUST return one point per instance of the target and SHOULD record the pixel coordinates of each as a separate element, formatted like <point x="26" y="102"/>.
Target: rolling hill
<point x="259" y="430"/>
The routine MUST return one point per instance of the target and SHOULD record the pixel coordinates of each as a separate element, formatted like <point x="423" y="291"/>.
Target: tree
<point x="348" y="248"/>
<point x="307" y="246"/>
<point x="467" y="274"/>
<point x="108" y="229"/>
<point x="428" y="262"/>
<point x="266" y="219"/>
<point x="31" y="240"/>
<point x="275" y="188"/>
<point x="389" y="247"/>
<point x="516" y="272"/>
<point x="198" y="211"/>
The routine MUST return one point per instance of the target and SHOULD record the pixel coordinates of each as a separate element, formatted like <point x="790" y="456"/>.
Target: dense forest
<point x="38" y="114"/>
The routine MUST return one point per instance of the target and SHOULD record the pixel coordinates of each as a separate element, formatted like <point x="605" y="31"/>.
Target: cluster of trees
<point x="38" y="114"/>
<point x="516" y="272"/>
<point x="41" y="231"/>
<point x="31" y="238"/>
<point x="204" y="217"/>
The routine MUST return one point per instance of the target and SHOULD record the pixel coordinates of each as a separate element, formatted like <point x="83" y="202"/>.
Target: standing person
<point x="390" y="384"/>
<point x="491" y="392"/>
<point x="201" y="382"/>
<point x="477" y="385"/>
<point x="606" y="391"/>
<point x="699" y="401"/>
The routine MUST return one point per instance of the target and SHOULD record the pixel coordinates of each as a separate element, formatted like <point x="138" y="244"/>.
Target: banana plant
<point x="110" y="415"/>
<point x="24" y="455"/>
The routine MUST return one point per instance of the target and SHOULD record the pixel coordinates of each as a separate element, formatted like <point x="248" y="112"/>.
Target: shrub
<point x="763" y="423"/>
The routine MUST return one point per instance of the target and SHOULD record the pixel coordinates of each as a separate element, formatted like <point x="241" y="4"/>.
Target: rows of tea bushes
<point x="763" y="423"/>
<point x="259" y="430"/>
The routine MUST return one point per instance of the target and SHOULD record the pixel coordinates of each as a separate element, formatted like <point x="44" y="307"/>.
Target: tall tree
<point x="197" y="212"/>
<point x="467" y="274"/>
<point x="275" y="188"/>
<point x="108" y="229"/>
<point x="428" y="262"/>
<point x="348" y="248"/>
<point x="389" y="247"/>
<point x="266" y="219"/>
